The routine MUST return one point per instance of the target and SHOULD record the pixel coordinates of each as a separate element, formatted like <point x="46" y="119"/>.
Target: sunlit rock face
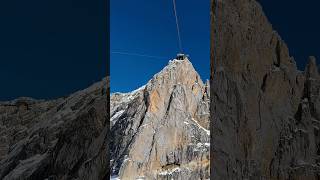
<point x="265" y="113"/>
<point x="160" y="131"/>
<point x="56" y="139"/>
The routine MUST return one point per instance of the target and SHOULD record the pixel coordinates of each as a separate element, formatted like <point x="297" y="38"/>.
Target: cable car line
<point x="180" y="55"/>
<point x="177" y="24"/>
<point x="137" y="54"/>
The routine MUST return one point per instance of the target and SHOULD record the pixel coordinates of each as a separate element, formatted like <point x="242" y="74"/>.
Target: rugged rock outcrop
<point x="57" y="139"/>
<point x="265" y="113"/>
<point x="160" y="131"/>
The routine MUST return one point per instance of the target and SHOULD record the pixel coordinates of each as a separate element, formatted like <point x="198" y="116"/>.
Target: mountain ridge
<point x="57" y="139"/>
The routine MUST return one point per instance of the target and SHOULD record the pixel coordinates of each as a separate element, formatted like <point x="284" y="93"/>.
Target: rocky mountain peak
<point x="177" y="72"/>
<point x="162" y="128"/>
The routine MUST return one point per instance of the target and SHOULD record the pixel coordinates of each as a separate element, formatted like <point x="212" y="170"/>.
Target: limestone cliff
<point x="160" y="131"/>
<point x="265" y="113"/>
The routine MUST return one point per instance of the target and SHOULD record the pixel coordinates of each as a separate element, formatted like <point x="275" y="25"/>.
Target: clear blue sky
<point x="50" y="49"/>
<point x="148" y="27"/>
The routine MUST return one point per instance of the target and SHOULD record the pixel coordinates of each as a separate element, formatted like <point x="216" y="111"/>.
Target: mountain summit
<point x="160" y="130"/>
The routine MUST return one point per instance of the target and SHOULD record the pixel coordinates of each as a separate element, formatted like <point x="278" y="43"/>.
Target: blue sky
<point x="148" y="27"/>
<point x="50" y="49"/>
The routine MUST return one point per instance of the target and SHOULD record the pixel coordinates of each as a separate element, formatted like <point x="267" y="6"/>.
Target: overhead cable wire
<point x="177" y="24"/>
<point x="137" y="54"/>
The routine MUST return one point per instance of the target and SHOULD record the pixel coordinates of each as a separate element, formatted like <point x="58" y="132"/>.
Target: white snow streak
<point x="170" y="172"/>
<point x="207" y="131"/>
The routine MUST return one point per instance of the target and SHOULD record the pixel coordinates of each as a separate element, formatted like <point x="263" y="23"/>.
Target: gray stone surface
<point x="265" y="113"/>
<point x="160" y="131"/>
<point x="56" y="139"/>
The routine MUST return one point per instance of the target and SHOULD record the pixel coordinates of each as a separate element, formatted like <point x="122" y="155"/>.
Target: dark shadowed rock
<point x="265" y="113"/>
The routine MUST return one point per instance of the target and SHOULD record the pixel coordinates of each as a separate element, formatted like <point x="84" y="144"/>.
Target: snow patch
<point x="137" y="90"/>
<point x="117" y="115"/>
<point x="202" y="147"/>
<point x="170" y="171"/>
<point x="127" y="97"/>
<point x="203" y="144"/>
<point x="145" y="125"/>
<point x="141" y="178"/>
<point x="114" y="178"/>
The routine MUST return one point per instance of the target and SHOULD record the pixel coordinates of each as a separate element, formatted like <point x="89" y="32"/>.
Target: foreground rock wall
<point x="265" y="113"/>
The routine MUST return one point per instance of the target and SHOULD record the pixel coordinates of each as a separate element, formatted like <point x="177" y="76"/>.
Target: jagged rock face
<point x="265" y="113"/>
<point x="56" y="139"/>
<point x="160" y="130"/>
